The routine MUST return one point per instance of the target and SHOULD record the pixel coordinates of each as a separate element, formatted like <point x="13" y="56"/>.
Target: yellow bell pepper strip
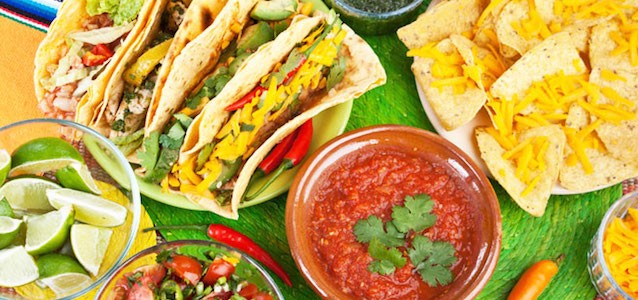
<point x="145" y="64"/>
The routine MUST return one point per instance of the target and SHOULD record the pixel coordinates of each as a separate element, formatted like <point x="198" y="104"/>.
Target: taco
<point x="315" y="64"/>
<point x="82" y="49"/>
<point x="241" y="27"/>
<point x="143" y="70"/>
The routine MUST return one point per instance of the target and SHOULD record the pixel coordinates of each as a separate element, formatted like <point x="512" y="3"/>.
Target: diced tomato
<point x="91" y="59"/>
<point x="249" y="291"/>
<point x="140" y="292"/>
<point x="263" y="296"/>
<point x="101" y="49"/>
<point x="217" y="269"/>
<point x="185" y="267"/>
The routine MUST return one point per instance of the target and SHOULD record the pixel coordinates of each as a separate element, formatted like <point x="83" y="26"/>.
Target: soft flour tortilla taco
<point x="240" y="28"/>
<point x="82" y="48"/>
<point x="314" y="65"/>
<point x="144" y="68"/>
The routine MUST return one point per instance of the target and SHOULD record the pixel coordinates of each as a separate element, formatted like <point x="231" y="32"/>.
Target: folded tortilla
<point x="199" y="16"/>
<point x="70" y="18"/>
<point x="363" y="71"/>
<point x="195" y="61"/>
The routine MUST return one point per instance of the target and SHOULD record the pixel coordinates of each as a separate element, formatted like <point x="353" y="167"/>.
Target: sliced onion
<point x="104" y="35"/>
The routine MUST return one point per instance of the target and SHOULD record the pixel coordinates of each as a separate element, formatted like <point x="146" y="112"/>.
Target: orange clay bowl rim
<point x="299" y="201"/>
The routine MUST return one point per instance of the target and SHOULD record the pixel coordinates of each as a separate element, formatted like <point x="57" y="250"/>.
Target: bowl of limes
<point x="65" y="224"/>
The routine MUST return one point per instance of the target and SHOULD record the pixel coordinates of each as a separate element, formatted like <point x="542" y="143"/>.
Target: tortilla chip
<point x="467" y="50"/>
<point x="514" y="11"/>
<point x="553" y="55"/>
<point x="607" y="169"/>
<point x="437" y="23"/>
<point x="453" y="110"/>
<point x="621" y="140"/>
<point x="196" y="60"/>
<point x="504" y="171"/>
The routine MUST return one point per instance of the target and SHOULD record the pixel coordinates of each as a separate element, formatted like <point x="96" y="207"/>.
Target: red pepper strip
<point x="273" y="159"/>
<point x="235" y="239"/>
<point x="294" y="156"/>
<point x="246" y="99"/>
<point x="102" y="49"/>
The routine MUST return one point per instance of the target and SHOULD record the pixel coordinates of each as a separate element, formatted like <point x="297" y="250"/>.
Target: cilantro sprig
<point x="432" y="260"/>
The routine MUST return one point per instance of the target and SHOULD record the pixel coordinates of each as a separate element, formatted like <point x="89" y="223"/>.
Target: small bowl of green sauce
<point x="376" y="17"/>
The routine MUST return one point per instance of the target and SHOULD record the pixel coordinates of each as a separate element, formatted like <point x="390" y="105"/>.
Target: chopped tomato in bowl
<point x="190" y="270"/>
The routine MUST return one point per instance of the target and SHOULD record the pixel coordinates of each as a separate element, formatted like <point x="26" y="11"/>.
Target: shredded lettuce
<point x="121" y="11"/>
<point x="72" y="76"/>
<point x="64" y="65"/>
<point x="104" y="35"/>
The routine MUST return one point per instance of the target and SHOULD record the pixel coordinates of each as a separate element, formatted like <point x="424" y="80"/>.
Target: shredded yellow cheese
<point x="620" y="249"/>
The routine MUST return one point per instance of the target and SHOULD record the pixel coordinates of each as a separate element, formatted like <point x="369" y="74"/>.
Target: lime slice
<point x="17" y="267"/>
<point x="78" y="177"/>
<point x="89" y="245"/>
<point x="54" y="264"/>
<point x="32" y="291"/>
<point x="67" y="283"/>
<point x="5" y="209"/>
<point x="90" y="209"/>
<point x="28" y="193"/>
<point x="43" y="154"/>
<point x="9" y="229"/>
<point x="48" y="232"/>
<point x="5" y="165"/>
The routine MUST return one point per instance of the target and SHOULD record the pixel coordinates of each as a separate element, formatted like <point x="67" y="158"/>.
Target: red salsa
<point x="372" y="181"/>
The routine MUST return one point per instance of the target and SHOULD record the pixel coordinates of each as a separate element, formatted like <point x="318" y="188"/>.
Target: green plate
<point x="327" y="125"/>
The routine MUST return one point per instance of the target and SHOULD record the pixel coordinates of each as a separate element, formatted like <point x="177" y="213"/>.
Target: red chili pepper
<point x="292" y="158"/>
<point x="246" y="99"/>
<point x="535" y="280"/>
<point x="238" y="240"/>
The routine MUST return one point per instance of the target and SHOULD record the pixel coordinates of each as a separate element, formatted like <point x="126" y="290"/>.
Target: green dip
<point x="378" y="6"/>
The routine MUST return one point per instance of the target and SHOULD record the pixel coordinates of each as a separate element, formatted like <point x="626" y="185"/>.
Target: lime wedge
<point x="43" y="154"/>
<point x="28" y="193"/>
<point x="90" y="209"/>
<point x="17" y="267"/>
<point x="5" y="208"/>
<point x="78" y="177"/>
<point x="89" y="245"/>
<point x="9" y="229"/>
<point x="54" y="264"/>
<point x="48" y="232"/>
<point x="67" y="283"/>
<point x="5" y="165"/>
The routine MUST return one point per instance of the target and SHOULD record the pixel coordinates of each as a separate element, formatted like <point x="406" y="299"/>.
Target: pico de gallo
<point x="194" y="272"/>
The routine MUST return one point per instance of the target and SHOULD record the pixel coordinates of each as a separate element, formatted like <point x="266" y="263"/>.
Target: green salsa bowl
<point x="375" y="17"/>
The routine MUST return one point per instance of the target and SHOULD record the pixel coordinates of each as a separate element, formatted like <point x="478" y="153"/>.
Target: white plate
<point x="463" y="137"/>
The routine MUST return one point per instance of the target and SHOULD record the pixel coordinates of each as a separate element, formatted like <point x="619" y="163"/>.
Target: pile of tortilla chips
<point x="558" y="78"/>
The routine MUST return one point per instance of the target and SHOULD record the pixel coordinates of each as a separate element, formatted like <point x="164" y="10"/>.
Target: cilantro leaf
<point x="377" y="250"/>
<point x="174" y="138"/>
<point x="150" y="152"/>
<point x="415" y="214"/>
<point x="432" y="260"/>
<point x="382" y="267"/>
<point x="184" y="120"/>
<point x="435" y="275"/>
<point x="386" y="259"/>
<point x="372" y="227"/>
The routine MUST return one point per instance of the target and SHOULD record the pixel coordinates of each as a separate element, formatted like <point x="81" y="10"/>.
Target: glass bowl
<point x="374" y="23"/>
<point x="125" y="189"/>
<point x="479" y="265"/>
<point x="599" y="272"/>
<point x="258" y="276"/>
